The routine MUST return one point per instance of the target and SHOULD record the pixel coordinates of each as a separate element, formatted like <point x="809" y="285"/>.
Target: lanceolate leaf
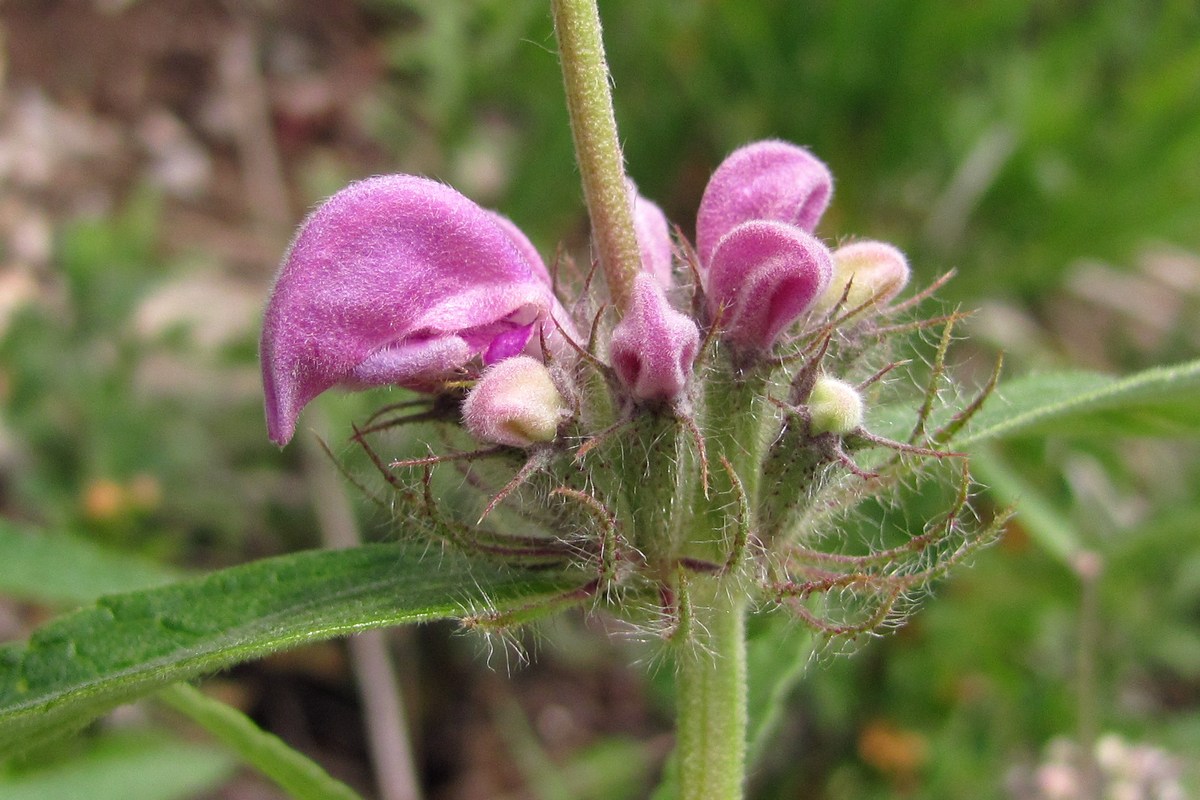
<point x="125" y="766"/>
<point x="1159" y="401"/>
<point x="85" y="663"/>
<point x="300" y="777"/>
<point x="778" y="651"/>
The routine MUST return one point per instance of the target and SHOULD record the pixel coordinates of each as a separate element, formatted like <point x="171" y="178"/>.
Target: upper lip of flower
<point x="396" y="280"/>
<point x="766" y="180"/>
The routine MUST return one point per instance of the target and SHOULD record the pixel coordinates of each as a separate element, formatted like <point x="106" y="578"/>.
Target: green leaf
<point x="1045" y="524"/>
<point x="777" y="653"/>
<point x="301" y="777"/>
<point x="124" y="767"/>
<point x="1157" y="402"/>
<point x="59" y="568"/>
<point x="81" y="665"/>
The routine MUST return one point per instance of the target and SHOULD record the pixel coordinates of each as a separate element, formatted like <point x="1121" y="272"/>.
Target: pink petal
<point x="770" y="180"/>
<point x="557" y="325"/>
<point x="393" y="280"/>
<point x="424" y="361"/>
<point x="653" y="236"/>
<point x="763" y="276"/>
<point x="522" y="243"/>
<point x="653" y="346"/>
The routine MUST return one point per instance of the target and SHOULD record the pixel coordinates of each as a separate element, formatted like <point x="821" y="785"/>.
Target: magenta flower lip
<point x="396" y="280"/>
<point x="762" y="277"/>
<point x="767" y="180"/>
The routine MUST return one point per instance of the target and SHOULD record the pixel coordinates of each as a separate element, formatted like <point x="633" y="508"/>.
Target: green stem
<point x="300" y="777"/>
<point x="594" y="128"/>
<point x="654" y="466"/>
<point x="711" y="693"/>
<point x="711" y="750"/>
<point x="734" y="410"/>
<point x="711" y="684"/>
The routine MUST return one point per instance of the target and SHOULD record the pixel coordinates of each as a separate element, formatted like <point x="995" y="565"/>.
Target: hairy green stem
<point x="594" y="128"/>
<point x="734" y="408"/>
<point x="711" y="693"/>
<point x="711" y="750"/>
<point x="655" y="466"/>
<point x="711" y="687"/>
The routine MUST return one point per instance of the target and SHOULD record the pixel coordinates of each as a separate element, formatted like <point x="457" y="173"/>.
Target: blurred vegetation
<point x="1047" y="151"/>
<point x="1002" y="139"/>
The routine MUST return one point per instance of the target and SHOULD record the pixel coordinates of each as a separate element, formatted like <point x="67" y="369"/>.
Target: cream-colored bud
<point x="514" y="403"/>
<point x="871" y="269"/>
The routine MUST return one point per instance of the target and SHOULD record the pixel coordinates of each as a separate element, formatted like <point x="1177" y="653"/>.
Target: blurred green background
<point x="154" y="156"/>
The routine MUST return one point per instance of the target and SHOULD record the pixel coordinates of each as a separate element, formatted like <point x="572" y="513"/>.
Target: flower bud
<point x="653" y="235"/>
<point x="871" y="269"/>
<point x="834" y="406"/>
<point x="653" y="346"/>
<point x="762" y="278"/>
<point x="514" y="403"/>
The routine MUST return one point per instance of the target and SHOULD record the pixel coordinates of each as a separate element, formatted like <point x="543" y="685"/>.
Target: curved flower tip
<point x="763" y="276"/>
<point x="873" y="271"/>
<point x="394" y="280"/>
<point x="769" y="180"/>
<point x="514" y="403"/>
<point x="653" y="346"/>
<point x="653" y="235"/>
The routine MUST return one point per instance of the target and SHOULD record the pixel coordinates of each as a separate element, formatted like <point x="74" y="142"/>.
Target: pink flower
<point x="397" y="280"/>
<point x="653" y="236"/>
<point x="400" y="280"/>
<point x="762" y="268"/>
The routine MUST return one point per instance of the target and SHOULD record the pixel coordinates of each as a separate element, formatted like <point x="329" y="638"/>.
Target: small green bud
<point x="834" y="407"/>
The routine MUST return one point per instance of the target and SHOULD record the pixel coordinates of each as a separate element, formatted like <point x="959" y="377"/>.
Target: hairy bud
<point x="763" y="277"/>
<point x="872" y="270"/>
<point x="653" y="345"/>
<point x="834" y="407"/>
<point x="515" y="403"/>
